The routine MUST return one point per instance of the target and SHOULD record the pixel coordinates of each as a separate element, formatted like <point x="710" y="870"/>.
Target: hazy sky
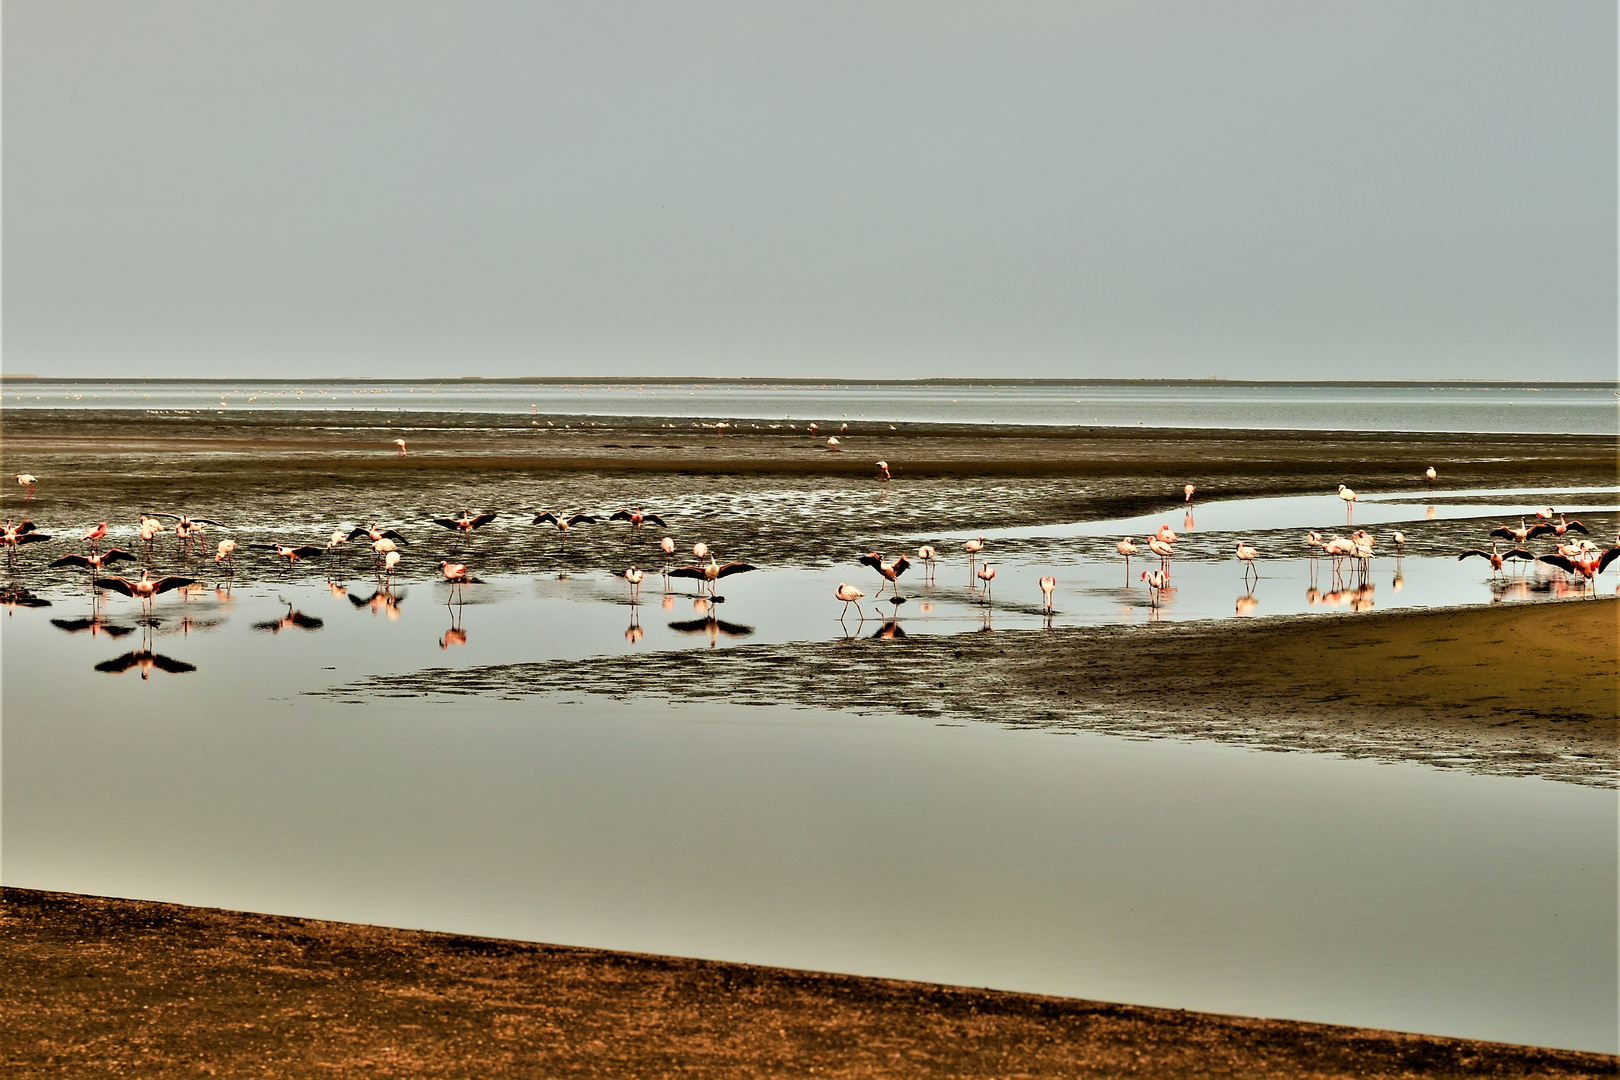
<point x="1381" y="190"/>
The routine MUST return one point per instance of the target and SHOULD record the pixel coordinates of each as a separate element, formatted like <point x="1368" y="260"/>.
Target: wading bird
<point x="987" y="574"/>
<point x="292" y="554"/>
<point x="637" y="518"/>
<point x="832" y="443"/>
<point x="1587" y="567"/>
<point x="146" y="588"/>
<point x="712" y="571"/>
<point x="14" y="536"/>
<point x="883" y="470"/>
<point x="1247" y="555"/>
<point x="400" y="443"/>
<point x="374" y="534"/>
<point x="27" y="480"/>
<point x="891" y="571"/>
<point x="96" y="560"/>
<point x="1188" y="492"/>
<point x="1165" y="553"/>
<point x="1166" y="535"/>
<point x="849" y="594"/>
<point x="1547" y="528"/>
<point x="1156" y="582"/>
<point x="1508" y="532"/>
<point x="1127" y="548"/>
<point x="466" y="523"/>
<point x="94" y="535"/>
<point x="226" y="553"/>
<point x="458" y="576"/>
<point x="1497" y="558"/>
<point x="1349" y="497"/>
<point x="634" y="577"/>
<point x="667" y="546"/>
<point x="1429" y="474"/>
<point x="1048" y="583"/>
<point x="926" y="555"/>
<point x="564" y="523"/>
<point x="973" y="547"/>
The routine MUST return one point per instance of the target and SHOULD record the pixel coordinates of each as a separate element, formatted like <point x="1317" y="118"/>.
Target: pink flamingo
<point x="1048" y="583"/>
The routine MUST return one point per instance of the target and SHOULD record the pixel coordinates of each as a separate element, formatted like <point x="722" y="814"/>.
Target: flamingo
<point x="374" y="533"/>
<point x="1127" y="548"/>
<point x="1188" y="491"/>
<point x="145" y="589"/>
<point x="337" y="539"/>
<point x="1165" y="553"/>
<point x="667" y="546"/>
<point x="883" y="470"/>
<point x="1430" y="475"/>
<point x="1586" y="568"/>
<point x="457" y="575"/>
<point x="14" y="536"/>
<point x="987" y="574"/>
<point x="1048" y="583"/>
<point x="186" y="525"/>
<point x="1166" y="535"/>
<point x="95" y="560"/>
<point x="27" y="480"/>
<point x="390" y="561"/>
<point x="1508" y="532"/>
<point x="401" y="444"/>
<point x="1545" y="513"/>
<point x="226" y="553"/>
<point x="291" y="554"/>
<point x="1349" y="497"/>
<point x="1400" y="540"/>
<point x="712" y="571"/>
<point x="636" y="518"/>
<point x="891" y="571"/>
<point x="466" y="523"/>
<point x="832" y="443"/>
<point x="849" y="594"/>
<point x="926" y="555"/>
<point x="564" y="523"/>
<point x="1496" y="558"/>
<point x="634" y="577"/>
<point x="1247" y="555"/>
<point x="149" y="530"/>
<point x="95" y="535"/>
<point x="1156" y="582"/>
<point x="973" y="547"/>
<point x="1547" y="528"/>
<point x="700" y="551"/>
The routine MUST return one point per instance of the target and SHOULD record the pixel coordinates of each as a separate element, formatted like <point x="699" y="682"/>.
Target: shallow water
<point x="1187" y="875"/>
<point x="1161" y="872"/>
<point x="1556" y="408"/>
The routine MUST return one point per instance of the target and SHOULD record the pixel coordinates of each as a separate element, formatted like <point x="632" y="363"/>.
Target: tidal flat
<point x="874" y="795"/>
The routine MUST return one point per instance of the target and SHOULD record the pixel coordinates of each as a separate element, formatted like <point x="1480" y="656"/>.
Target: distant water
<point x="1499" y="408"/>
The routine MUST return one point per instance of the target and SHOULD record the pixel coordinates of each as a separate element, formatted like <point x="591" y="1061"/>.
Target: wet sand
<point x="1527" y="690"/>
<point x="100" y="986"/>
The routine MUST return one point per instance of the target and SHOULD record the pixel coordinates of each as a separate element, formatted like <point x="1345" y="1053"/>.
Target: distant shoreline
<point x="711" y="380"/>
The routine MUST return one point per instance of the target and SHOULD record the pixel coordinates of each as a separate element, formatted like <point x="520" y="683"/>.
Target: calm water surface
<point x="1582" y="408"/>
<point x="1167" y="873"/>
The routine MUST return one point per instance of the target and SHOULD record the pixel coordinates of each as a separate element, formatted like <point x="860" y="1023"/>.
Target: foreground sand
<point x="101" y="987"/>
<point x="1513" y="689"/>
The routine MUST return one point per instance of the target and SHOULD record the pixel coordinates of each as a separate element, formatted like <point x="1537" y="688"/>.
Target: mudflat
<point x="1515" y="689"/>
<point x="98" y="986"/>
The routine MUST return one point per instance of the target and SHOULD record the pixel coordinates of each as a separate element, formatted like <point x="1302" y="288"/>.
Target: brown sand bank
<point x="1523" y="689"/>
<point x="99" y="987"/>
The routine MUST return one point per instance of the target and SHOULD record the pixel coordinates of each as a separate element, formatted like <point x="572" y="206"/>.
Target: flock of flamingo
<point x="1579" y="559"/>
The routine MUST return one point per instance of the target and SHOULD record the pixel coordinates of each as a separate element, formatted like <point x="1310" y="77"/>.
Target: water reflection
<point x="146" y="660"/>
<point x="455" y="635"/>
<point x="16" y="596"/>
<point x="294" y="619"/>
<point x="711" y="625"/>
<point x="381" y="602"/>
<point x="96" y="624"/>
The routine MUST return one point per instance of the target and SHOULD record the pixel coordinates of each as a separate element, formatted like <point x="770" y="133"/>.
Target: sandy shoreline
<point x="97" y="986"/>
